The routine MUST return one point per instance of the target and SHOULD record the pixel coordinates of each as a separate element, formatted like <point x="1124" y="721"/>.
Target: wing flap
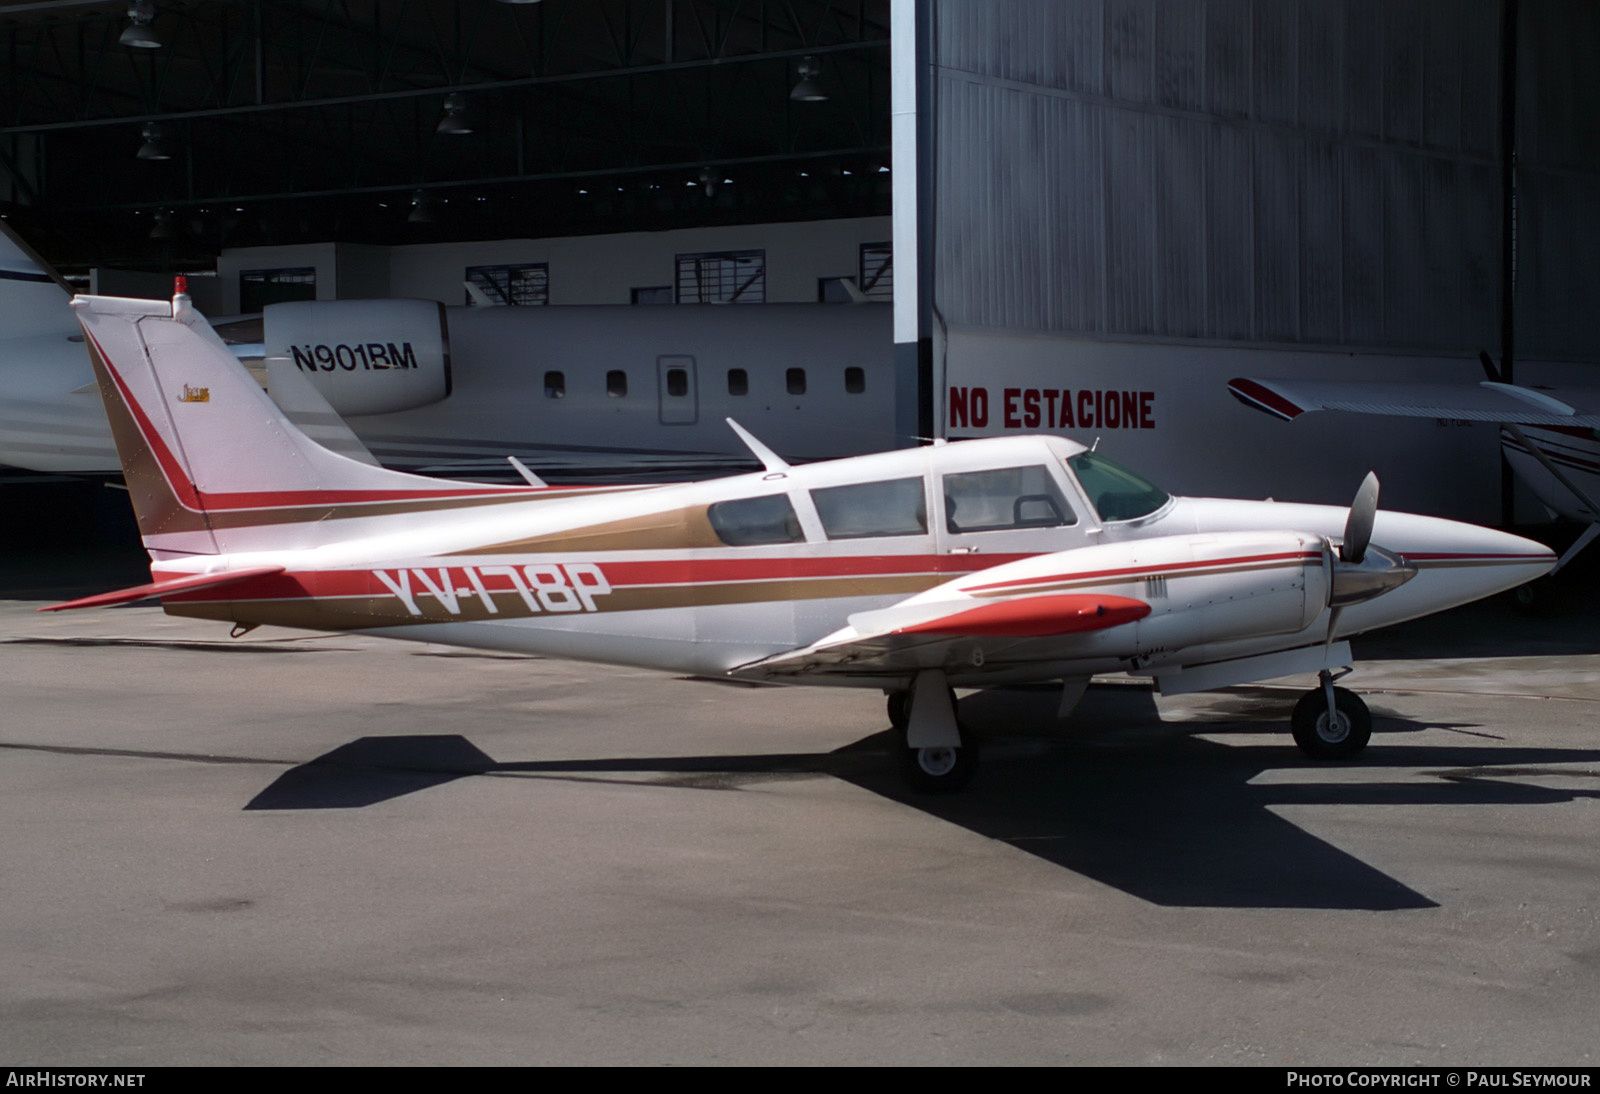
<point x="163" y="588"/>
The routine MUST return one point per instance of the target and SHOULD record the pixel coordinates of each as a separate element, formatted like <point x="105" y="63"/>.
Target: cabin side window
<point x="616" y="383"/>
<point x="747" y="522"/>
<point x="738" y="382"/>
<point x="555" y="385"/>
<point x="855" y="380"/>
<point x="795" y="380"/>
<point x="892" y="508"/>
<point x="1005" y="498"/>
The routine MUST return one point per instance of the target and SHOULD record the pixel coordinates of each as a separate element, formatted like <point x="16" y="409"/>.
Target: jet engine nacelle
<point x="365" y="356"/>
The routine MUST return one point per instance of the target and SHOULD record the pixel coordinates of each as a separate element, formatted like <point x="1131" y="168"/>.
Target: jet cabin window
<point x="892" y="508"/>
<point x="747" y="522"/>
<point x="616" y="383"/>
<point x="1115" y="492"/>
<point x="1010" y="497"/>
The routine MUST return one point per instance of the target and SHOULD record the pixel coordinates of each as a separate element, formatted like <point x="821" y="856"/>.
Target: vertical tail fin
<point x="212" y="464"/>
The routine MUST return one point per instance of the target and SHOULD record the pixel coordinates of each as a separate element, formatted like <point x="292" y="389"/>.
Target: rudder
<point x="213" y="465"/>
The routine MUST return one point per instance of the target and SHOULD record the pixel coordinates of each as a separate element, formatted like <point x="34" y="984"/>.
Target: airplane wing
<point x="1078" y="611"/>
<point x="163" y="588"/>
<point x="907" y="637"/>
<point x="988" y="622"/>
<point x="1486" y="401"/>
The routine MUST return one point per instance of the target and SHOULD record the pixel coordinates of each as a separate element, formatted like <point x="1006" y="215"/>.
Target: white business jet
<point x="973" y="564"/>
<point x="584" y="391"/>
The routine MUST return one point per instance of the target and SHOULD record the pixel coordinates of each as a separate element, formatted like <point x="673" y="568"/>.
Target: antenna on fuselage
<point x="528" y="476"/>
<point x="769" y="459"/>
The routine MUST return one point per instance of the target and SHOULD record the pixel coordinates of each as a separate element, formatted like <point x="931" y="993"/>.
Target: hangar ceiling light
<point x="154" y="146"/>
<point x="140" y="34"/>
<point x="808" y="90"/>
<point x="454" y="122"/>
<point x="421" y="208"/>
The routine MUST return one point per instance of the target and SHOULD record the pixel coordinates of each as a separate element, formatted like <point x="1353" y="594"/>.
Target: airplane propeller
<point x="1361" y="571"/>
<point x="1358" y="526"/>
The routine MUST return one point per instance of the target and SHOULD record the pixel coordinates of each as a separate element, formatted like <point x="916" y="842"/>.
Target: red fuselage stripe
<point x="623" y="575"/>
<point x="1149" y="570"/>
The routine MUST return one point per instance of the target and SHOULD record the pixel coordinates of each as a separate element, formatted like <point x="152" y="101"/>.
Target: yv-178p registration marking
<point x="543" y="587"/>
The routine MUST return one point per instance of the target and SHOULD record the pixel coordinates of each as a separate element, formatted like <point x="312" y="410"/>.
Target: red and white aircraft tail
<point x="212" y="464"/>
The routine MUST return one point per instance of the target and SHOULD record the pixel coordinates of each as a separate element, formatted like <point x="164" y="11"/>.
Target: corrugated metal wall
<point x="1276" y="172"/>
<point x="1558" y="181"/>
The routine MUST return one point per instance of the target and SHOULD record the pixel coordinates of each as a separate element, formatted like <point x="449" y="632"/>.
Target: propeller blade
<point x="1358" y="526"/>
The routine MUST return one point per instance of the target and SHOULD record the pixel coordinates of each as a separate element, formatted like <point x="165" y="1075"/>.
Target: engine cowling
<point x="1202" y="588"/>
<point x="365" y="356"/>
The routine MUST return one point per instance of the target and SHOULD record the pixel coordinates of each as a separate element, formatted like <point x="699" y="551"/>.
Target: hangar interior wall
<point x="1558" y="181"/>
<point x="1273" y="187"/>
<point x="1258" y="171"/>
<point x="583" y="269"/>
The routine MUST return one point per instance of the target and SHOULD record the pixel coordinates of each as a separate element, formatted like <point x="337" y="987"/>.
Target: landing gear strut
<point x="944" y="757"/>
<point x="1331" y="723"/>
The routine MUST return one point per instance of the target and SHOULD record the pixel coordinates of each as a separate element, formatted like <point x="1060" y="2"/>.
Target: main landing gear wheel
<point x="940" y="769"/>
<point x="900" y="709"/>
<point x="1336" y="738"/>
<point x="1535" y="598"/>
<point x="934" y="769"/>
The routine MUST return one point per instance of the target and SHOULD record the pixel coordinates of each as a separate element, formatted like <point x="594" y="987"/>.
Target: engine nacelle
<point x="1229" y="586"/>
<point x="365" y="356"/>
<point x="1201" y="588"/>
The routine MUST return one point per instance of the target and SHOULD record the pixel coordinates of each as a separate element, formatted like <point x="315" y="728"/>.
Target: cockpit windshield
<point x="1114" y="491"/>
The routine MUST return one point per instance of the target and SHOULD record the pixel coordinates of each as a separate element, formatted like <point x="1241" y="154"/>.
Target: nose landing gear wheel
<point x="1337" y="738"/>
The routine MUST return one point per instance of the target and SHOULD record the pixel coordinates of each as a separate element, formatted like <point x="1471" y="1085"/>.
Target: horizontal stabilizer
<point x="164" y="588"/>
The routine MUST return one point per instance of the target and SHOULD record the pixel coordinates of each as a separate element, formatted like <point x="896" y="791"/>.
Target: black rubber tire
<point x="1340" y="739"/>
<point x="900" y="709"/>
<point x="939" y="770"/>
<point x="1537" y="598"/>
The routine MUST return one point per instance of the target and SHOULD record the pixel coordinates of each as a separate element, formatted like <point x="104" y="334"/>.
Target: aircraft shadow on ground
<point x="1115" y="795"/>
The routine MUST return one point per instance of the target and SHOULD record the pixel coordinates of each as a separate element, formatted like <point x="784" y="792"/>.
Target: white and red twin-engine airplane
<point x="972" y="564"/>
